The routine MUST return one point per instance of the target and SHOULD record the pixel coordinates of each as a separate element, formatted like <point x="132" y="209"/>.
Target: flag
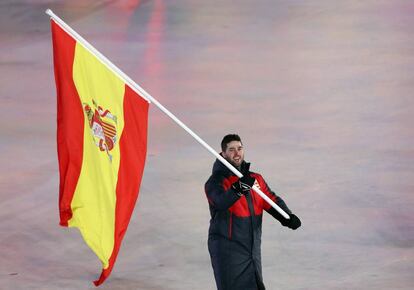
<point x="101" y="142"/>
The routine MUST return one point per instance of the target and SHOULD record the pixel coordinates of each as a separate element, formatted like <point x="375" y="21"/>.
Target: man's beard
<point x="231" y="162"/>
<point x="234" y="164"/>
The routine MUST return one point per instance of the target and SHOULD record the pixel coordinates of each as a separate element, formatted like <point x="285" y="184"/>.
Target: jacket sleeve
<point x="278" y="200"/>
<point x="217" y="196"/>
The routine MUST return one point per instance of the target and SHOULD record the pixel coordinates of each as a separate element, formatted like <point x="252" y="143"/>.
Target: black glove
<point x="244" y="184"/>
<point x="292" y="223"/>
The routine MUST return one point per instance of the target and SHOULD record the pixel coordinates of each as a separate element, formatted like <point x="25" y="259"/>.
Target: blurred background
<point x="321" y="93"/>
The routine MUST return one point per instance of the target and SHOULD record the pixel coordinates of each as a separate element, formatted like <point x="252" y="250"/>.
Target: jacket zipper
<point x="230" y="224"/>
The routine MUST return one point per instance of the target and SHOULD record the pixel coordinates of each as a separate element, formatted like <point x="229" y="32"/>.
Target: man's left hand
<point x="292" y="223"/>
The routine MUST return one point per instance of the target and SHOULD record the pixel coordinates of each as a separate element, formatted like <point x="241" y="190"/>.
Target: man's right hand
<point x="245" y="183"/>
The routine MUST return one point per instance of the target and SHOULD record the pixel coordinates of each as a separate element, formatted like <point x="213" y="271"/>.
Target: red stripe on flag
<point x="133" y="147"/>
<point x="70" y="120"/>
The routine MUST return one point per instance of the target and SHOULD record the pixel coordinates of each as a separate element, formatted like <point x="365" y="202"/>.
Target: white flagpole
<point x="149" y="98"/>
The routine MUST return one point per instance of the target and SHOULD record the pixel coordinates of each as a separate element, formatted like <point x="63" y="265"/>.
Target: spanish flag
<point x="101" y="142"/>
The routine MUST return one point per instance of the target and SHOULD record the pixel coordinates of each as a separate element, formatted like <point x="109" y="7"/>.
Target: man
<point x="236" y="220"/>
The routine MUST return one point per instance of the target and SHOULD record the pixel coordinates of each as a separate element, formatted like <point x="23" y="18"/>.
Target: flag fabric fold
<point x="101" y="142"/>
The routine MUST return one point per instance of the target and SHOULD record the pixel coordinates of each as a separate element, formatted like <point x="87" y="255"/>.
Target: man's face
<point x="234" y="153"/>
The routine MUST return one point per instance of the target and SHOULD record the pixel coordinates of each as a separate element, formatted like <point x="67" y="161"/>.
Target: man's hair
<point x="227" y="139"/>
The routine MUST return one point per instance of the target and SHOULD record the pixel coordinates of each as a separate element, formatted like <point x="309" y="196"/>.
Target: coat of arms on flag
<point x="103" y="125"/>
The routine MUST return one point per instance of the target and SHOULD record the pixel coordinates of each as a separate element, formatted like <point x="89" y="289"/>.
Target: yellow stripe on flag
<point x="94" y="200"/>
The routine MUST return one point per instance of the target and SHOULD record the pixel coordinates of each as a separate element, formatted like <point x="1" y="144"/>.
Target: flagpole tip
<point x="49" y="12"/>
